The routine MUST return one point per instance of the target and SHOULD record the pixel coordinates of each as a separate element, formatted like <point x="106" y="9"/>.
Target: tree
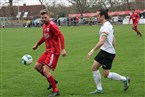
<point x="11" y="7"/>
<point x="81" y="5"/>
<point x="11" y="2"/>
<point x="104" y="3"/>
<point x="127" y="1"/>
<point x="42" y="3"/>
<point x="111" y="4"/>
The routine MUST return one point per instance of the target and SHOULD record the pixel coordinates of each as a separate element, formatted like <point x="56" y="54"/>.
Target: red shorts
<point x="134" y="25"/>
<point x="49" y="59"/>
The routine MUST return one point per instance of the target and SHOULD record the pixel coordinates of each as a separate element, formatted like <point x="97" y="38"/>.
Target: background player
<point x="135" y="19"/>
<point x="54" y="40"/>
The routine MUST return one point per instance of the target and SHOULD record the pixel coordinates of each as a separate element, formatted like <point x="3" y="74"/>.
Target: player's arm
<point x="98" y="45"/>
<point x="38" y="43"/>
<point x="58" y="33"/>
<point x="129" y="19"/>
<point x="63" y="52"/>
<point x="114" y="42"/>
<point x="138" y="18"/>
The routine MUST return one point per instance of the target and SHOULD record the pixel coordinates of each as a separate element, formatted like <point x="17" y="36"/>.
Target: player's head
<point x="45" y="16"/>
<point x="102" y="15"/>
<point x="133" y="10"/>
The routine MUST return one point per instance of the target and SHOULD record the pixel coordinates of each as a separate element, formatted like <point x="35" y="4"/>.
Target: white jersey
<point x="107" y="46"/>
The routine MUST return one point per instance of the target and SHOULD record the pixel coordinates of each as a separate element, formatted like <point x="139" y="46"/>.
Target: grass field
<point x="73" y="72"/>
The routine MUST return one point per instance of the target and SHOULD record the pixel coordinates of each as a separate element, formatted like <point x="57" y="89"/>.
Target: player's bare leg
<point x="39" y="68"/>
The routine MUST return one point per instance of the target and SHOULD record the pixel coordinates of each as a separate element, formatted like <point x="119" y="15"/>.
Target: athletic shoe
<point x="54" y="94"/>
<point x="126" y="83"/>
<point x="50" y="86"/>
<point x="97" y="92"/>
<point x="140" y="34"/>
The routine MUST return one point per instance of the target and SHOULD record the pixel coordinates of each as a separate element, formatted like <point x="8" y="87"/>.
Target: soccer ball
<point x="27" y="59"/>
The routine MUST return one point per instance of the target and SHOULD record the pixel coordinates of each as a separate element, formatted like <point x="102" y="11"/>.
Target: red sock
<point x="136" y="30"/>
<point x="52" y="82"/>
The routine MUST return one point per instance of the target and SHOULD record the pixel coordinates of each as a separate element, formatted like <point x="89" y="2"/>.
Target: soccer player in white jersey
<point x="105" y="57"/>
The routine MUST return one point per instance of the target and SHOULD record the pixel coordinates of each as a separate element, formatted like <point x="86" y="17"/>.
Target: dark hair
<point x="44" y="11"/>
<point x="105" y="13"/>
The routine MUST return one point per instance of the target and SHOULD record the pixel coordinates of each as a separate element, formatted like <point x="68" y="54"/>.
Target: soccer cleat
<point x="126" y="83"/>
<point x="50" y="86"/>
<point x="54" y="94"/>
<point x="140" y="34"/>
<point x="97" y="92"/>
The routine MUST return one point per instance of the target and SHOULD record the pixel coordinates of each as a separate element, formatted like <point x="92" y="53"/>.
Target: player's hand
<point x="90" y="54"/>
<point x="35" y="47"/>
<point x="63" y="53"/>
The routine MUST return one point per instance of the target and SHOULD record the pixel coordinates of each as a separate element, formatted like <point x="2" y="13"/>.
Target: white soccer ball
<point x="27" y="59"/>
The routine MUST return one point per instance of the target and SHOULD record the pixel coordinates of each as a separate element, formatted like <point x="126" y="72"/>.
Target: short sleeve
<point x="104" y="31"/>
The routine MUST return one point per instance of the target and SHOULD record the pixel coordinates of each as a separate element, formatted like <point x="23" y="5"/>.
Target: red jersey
<point x="135" y="18"/>
<point x="52" y="37"/>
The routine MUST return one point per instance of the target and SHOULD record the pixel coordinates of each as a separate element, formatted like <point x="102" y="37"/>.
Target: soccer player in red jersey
<point x="135" y="19"/>
<point x="54" y="42"/>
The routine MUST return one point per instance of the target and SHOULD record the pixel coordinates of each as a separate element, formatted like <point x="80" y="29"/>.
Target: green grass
<point x="73" y="72"/>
